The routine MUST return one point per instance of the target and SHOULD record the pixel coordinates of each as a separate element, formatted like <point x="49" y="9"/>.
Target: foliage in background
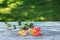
<point x="28" y="10"/>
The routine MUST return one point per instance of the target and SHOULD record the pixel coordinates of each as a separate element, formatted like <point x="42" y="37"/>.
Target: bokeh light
<point x="42" y="18"/>
<point x="1" y="1"/>
<point x="27" y="10"/>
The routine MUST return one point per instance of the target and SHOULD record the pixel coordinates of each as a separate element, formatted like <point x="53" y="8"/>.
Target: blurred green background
<point x="28" y="10"/>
